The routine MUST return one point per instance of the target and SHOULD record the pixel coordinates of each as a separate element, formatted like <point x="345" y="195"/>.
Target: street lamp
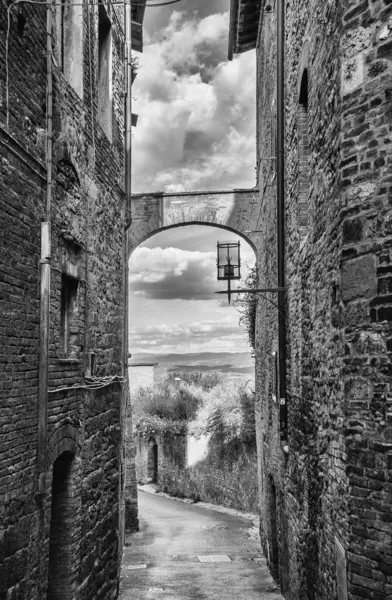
<point x="229" y="268"/>
<point x="228" y="262"/>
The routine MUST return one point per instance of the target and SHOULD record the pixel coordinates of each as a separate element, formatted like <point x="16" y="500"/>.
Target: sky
<point x="196" y="131"/>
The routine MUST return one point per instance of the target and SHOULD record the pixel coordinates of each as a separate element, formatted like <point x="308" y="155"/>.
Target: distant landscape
<point x="233" y="364"/>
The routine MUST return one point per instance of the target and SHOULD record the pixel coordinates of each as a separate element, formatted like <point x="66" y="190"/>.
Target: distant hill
<point x="237" y="364"/>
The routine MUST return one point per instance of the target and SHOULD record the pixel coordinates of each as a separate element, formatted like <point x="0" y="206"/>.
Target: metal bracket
<point x="261" y="291"/>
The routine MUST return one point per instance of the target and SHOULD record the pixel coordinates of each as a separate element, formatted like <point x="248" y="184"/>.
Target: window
<point x="69" y="313"/>
<point x="303" y="155"/>
<point x="72" y="44"/>
<point x="105" y="71"/>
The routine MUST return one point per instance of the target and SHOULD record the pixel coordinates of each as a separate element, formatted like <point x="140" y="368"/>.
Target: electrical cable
<point x="92" y="384"/>
<point x="165" y="3"/>
<point x="88" y="3"/>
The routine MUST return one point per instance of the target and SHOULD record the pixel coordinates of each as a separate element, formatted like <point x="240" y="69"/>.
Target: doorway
<point x="62" y="544"/>
<point x="152" y="461"/>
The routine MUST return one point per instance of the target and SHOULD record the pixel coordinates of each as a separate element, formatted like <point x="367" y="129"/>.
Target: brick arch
<point x="233" y="210"/>
<point x="64" y="439"/>
<point x="65" y="527"/>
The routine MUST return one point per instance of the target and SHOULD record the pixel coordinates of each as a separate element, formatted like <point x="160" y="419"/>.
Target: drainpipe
<point x="281" y="218"/>
<point x="129" y="473"/>
<point x="45" y="268"/>
<point x="232" y="27"/>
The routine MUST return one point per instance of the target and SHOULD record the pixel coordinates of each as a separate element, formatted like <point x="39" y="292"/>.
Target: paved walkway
<point x="189" y="552"/>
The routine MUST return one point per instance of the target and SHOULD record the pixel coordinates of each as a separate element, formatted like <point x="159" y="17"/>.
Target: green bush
<point x="200" y="404"/>
<point x="226" y="413"/>
<point x="168" y="406"/>
<point x="148" y="425"/>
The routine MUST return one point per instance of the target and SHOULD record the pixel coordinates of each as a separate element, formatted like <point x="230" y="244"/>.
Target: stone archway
<point x="152" y="213"/>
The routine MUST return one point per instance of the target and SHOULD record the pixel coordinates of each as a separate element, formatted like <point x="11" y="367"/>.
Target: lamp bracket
<point x="260" y="291"/>
<point x="254" y="291"/>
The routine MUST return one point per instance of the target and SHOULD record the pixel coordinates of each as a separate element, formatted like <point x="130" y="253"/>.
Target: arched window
<point x="303" y="155"/>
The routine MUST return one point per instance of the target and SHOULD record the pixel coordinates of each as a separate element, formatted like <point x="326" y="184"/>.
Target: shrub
<point x="226" y="413"/>
<point x="202" y="404"/>
<point x="148" y="425"/>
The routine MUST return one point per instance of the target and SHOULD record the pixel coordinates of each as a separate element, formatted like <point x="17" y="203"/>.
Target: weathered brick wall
<point x="87" y="244"/>
<point x="364" y="292"/>
<point x="332" y="486"/>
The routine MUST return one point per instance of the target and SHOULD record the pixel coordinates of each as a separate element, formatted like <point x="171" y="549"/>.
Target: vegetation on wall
<point x="202" y="404"/>
<point x="170" y="406"/>
<point x="247" y="304"/>
<point x="221" y="414"/>
<point x="226" y="413"/>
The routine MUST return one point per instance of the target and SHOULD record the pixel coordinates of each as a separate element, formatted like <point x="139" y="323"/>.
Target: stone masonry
<point x="326" y="490"/>
<point x="154" y="212"/>
<point x="60" y="524"/>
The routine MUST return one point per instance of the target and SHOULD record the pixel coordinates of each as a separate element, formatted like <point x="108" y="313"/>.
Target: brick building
<point x="323" y="362"/>
<point x="62" y="291"/>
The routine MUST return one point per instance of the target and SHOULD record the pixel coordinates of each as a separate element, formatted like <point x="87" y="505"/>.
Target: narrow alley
<point x="189" y="552"/>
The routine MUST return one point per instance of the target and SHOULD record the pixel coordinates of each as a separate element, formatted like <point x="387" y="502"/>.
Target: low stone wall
<point x="225" y="474"/>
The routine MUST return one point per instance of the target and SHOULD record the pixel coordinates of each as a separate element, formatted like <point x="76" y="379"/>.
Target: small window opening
<point x="69" y="312"/>
<point x="105" y="71"/>
<point x="21" y="25"/>
<point x="72" y="44"/>
<point x="303" y="155"/>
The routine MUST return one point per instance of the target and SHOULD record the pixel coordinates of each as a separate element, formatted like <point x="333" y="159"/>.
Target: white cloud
<point x="170" y="273"/>
<point x="174" y="273"/>
<point x="196" y="126"/>
<point x="222" y="335"/>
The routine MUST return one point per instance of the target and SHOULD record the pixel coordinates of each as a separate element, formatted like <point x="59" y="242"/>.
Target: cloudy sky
<point x="196" y="131"/>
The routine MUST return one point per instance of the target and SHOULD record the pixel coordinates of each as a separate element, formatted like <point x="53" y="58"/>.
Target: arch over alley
<point x="152" y="213"/>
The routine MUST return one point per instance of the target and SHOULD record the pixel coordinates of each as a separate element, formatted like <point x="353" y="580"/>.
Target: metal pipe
<point x="130" y="502"/>
<point x="232" y="27"/>
<point x="45" y="266"/>
<point x="280" y="169"/>
<point x="128" y="104"/>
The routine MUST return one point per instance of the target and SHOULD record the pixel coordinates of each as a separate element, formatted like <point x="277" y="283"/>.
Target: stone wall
<point x="141" y="375"/>
<point x="154" y="212"/>
<point x="363" y="295"/>
<point x="325" y="501"/>
<point x="86" y="315"/>
<point x="202" y="470"/>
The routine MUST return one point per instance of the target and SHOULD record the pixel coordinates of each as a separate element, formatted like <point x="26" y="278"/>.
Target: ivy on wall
<point x="247" y="304"/>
